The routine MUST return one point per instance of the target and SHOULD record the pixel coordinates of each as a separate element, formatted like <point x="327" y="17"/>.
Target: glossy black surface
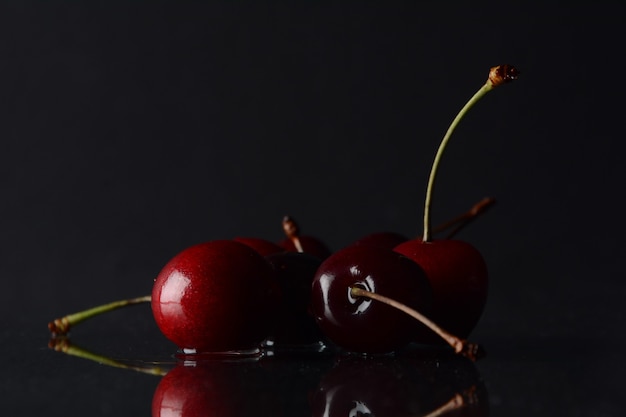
<point x="131" y="131"/>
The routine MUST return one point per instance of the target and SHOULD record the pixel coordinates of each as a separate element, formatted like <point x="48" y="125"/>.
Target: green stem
<point x="488" y="86"/>
<point x="62" y="325"/>
<point x="498" y="75"/>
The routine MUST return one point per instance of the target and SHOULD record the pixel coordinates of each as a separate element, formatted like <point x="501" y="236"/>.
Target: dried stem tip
<point x="290" y="227"/>
<point x="503" y="74"/>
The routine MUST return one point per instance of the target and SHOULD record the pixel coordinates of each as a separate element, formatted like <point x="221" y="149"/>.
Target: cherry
<point x="456" y="270"/>
<point x="293" y="323"/>
<point x="215" y="297"/>
<point x="262" y="246"/>
<point x="302" y="243"/>
<point x="357" y="323"/>
<point x="458" y="276"/>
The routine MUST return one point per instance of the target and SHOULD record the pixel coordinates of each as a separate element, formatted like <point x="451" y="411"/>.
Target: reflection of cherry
<point x="202" y="388"/>
<point x="360" y="324"/>
<point x="456" y="270"/>
<point x="387" y="386"/>
<point x="215" y="296"/>
<point x="295" y="242"/>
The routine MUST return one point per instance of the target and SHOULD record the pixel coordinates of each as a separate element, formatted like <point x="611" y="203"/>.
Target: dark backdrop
<point x="131" y="130"/>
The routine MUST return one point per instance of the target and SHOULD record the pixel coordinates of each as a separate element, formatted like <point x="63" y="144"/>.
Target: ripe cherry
<point x="456" y="270"/>
<point x="295" y="242"/>
<point x="215" y="297"/>
<point x="458" y="276"/>
<point x="360" y="324"/>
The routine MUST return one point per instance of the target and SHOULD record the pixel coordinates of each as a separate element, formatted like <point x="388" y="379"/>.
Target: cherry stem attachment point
<point x="497" y="76"/>
<point x="62" y="325"/>
<point x="460" y="346"/>
<point x="292" y="231"/>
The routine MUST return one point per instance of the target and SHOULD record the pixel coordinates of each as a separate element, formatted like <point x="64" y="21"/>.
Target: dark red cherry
<point x="360" y="324"/>
<point x="215" y="296"/>
<point x="457" y="274"/>
<point x="387" y="240"/>
<point x="262" y="246"/>
<point x="293" y="323"/>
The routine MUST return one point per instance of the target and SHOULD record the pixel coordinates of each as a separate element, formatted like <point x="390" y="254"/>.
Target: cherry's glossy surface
<point x="360" y="324"/>
<point x="215" y="296"/>
<point x="457" y="274"/>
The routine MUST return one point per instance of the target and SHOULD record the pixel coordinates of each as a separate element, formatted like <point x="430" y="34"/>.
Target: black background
<point x="132" y="130"/>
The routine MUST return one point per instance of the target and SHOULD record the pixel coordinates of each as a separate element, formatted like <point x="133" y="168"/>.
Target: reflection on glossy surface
<point x="413" y="383"/>
<point x="406" y="386"/>
<point x="216" y="388"/>
<point x="64" y="345"/>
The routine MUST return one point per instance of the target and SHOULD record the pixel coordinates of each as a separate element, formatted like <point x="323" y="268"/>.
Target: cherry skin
<point x="363" y="325"/>
<point x="215" y="297"/>
<point x="293" y="323"/>
<point x="388" y="240"/>
<point x="262" y="246"/>
<point x="457" y="274"/>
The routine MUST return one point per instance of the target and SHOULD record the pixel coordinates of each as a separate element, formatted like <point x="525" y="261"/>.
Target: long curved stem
<point x="62" y="325"/>
<point x="488" y="86"/>
<point x="498" y="75"/>
<point x="460" y="346"/>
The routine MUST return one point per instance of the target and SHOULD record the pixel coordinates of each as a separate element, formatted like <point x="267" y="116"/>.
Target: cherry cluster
<point x="376" y="295"/>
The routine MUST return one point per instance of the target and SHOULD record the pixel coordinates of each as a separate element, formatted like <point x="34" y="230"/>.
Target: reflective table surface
<point x="119" y="364"/>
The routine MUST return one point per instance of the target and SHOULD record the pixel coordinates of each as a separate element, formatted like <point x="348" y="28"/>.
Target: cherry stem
<point x="460" y="346"/>
<point x="292" y="230"/>
<point x="459" y="400"/>
<point x="497" y="76"/>
<point x="63" y="345"/>
<point x="62" y="325"/>
<point x="466" y="218"/>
